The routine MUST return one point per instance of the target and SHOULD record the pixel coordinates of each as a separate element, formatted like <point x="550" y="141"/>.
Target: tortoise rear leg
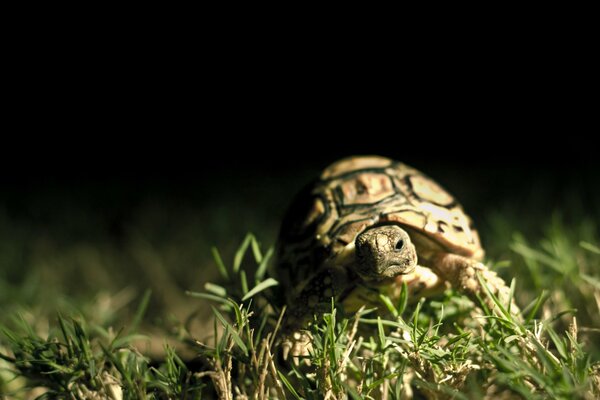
<point x="462" y="273"/>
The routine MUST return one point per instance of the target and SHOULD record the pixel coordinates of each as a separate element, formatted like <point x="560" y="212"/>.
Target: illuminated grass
<point x="443" y="347"/>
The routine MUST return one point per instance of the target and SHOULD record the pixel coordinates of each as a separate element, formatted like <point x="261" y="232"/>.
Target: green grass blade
<point x="595" y="282"/>
<point x="289" y="386"/>
<point x="379" y="381"/>
<point x="457" y="338"/>
<point x="141" y="310"/>
<point x="236" y="337"/>
<point x="220" y="265"/>
<point x="511" y="294"/>
<point x="352" y="393"/>
<point x="66" y="334"/>
<point x="403" y="300"/>
<point x="560" y="314"/>
<point x="510" y="338"/>
<point x="239" y="320"/>
<point x="538" y="303"/>
<point x="82" y="340"/>
<point x="440" y="321"/>
<point x="546" y="359"/>
<point x="450" y="392"/>
<point x="217" y="290"/>
<point x="243" y="282"/>
<point x="256" y="250"/>
<point x="267" y="283"/>
<point x="262" y="268"/>
<point x="241" y="252"/>
<point x="207" y="296"/>
<point x="388" y="304"/>
<point x="395" y="324"/>
<point x="123" y="341"/>
<point x="504" y="312"/>
<point x="416" y="322"/>
<point x="590" y="247"/>
<point x="381" y="333"/>
<point x="538" y="256"/>
<point x="558" y="343"/>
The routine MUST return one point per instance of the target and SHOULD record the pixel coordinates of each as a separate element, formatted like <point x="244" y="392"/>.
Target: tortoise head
<point x="383" y="252"/>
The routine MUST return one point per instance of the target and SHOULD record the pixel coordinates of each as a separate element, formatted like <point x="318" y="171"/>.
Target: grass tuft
<point x="442" y="347"/>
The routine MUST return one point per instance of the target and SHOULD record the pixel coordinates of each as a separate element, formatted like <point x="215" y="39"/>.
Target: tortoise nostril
<point x="400" y="244"/>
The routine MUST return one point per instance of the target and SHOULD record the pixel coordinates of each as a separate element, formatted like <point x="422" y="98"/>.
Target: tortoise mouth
<point x="387" y="277"/>
<point x="392" y="271"/>
<point x="397" y="269"/>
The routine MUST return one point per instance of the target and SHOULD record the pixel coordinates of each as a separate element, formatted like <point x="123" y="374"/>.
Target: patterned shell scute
<point x="356" y="193"/>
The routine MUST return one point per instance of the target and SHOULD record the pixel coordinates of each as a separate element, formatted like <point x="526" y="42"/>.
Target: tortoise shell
<point x="358" y="193"/>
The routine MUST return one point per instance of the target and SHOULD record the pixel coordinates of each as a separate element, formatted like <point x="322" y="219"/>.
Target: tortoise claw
<point x="298" y="346"/>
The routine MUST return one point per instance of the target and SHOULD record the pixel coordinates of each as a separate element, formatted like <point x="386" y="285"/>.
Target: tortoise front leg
<point x="462" y="273"/>
<point x="313" y="300"/>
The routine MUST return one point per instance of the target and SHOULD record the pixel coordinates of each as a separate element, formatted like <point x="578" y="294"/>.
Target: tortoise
<point x="367" y="225"/>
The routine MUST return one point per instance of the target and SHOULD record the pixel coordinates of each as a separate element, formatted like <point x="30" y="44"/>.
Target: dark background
<point x="125" y="207"/>
<point x="262" y="170"/>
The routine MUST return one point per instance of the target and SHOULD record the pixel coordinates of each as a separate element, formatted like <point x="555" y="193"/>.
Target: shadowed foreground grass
<point x="444" y="347"/>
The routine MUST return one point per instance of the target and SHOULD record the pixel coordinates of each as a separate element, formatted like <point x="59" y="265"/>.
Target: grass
<point x="443" y="347"/>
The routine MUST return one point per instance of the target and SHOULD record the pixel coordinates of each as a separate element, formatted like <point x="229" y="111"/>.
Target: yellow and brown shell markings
<point x="317" y="241"/>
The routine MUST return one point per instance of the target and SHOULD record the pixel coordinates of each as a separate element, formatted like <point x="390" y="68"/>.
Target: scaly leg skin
<point x="462" y="272"/>
<point x="314" y="299"/>
<point x="422" y="282"/>
<point x="298" y="345"/>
